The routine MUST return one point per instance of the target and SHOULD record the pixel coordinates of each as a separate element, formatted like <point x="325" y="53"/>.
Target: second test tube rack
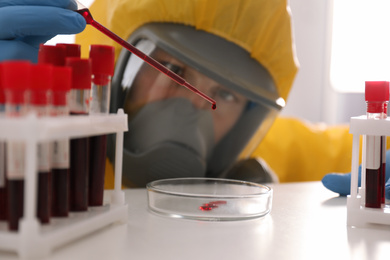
<point x="34" y="240"/>
<point x="358" y="214"/>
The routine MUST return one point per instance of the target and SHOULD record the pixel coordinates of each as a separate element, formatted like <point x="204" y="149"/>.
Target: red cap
<point x="41" y="83"/>
<point x="377" y="91"/>
<point x="62" y="81"/>
<point x="2" y="95"/>
<point x="377" y="95"/>
<point x="81" y="72"/>
<point x="50" y="54"/>
<point x="71" y="49"/>
<point x="15" y="80"/>
<point x="103" y="62"/>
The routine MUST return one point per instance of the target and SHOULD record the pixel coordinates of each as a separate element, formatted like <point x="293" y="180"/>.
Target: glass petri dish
<point x="209" y="199"/>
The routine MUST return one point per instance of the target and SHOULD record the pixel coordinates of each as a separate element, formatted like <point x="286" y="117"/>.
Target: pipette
<point x="84" y="11"/>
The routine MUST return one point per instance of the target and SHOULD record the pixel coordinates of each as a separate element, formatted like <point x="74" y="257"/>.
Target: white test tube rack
<point x="34" y="240"/>
<point x="357" y="214"/>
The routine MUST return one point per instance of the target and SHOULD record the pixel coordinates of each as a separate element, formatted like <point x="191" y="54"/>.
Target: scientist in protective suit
<point x="240" y="53"/>
<point x="247" y="70"/>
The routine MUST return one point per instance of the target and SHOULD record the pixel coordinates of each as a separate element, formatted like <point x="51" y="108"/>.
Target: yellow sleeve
<point x="300" y="151"/>
<point x="109" y="179"/>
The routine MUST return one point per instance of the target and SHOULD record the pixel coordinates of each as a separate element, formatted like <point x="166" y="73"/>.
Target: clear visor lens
<point x="145" y="85"/>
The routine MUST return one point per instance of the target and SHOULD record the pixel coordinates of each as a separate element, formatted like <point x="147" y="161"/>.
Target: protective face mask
<point x="168" y="138"/>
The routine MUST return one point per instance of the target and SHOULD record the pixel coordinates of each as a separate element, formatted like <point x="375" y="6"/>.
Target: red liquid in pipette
<point x="88" y="17"/>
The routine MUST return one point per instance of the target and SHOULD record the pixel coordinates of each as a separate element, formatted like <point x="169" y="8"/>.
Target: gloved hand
<point x="24" y="24"/>
<point x="341" y="183"/>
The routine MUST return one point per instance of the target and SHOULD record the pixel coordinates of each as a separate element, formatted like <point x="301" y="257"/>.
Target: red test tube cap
<point x="377" y="96"/>
<point x="2" y="94"/>
<point x="377" y="91"/>
<point x="103" y="63"/>
<point x="62" y="81"/>
<point x="81" y="72"/>
<point x="71" y="49"/>
<point x="15" y="80"/>
<point x="51" y="54"/>
<point x="41" y="82"/>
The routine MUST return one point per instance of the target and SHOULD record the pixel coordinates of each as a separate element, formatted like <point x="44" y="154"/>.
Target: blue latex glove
<point x="341" y="183"/>
<point x="24" y="24"/>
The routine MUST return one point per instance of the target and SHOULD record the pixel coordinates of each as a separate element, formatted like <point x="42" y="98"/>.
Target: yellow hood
<point x="262" y="27"/>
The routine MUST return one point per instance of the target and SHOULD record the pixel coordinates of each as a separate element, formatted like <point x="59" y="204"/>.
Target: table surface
<point x="306" y="222"/>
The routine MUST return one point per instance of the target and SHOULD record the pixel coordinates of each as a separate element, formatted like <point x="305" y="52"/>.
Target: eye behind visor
<point x="172" y="67"/>
<point x="219" y="93"/>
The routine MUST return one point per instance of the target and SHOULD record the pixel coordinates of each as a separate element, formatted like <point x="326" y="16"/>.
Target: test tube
<point x="102" y="57"/>
<point x="79" y="147"/>
<point x="60" y="160"/>
<point x="55" y="55"/>
<point x="377" y="97"/>
<point x="16" y="80"/>
<point x="3" y="179"/>
<point x="41" y="80"/>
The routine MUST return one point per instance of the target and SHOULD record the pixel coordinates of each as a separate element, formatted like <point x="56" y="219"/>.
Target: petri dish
<point x="209" y="199"/>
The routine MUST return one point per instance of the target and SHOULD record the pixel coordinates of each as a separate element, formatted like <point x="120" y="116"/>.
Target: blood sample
<point x="41" y="81"/>
<point x="55" y="55"/>
<point x="16" y="80"/>
<point x="3" y="180"/>
<point x="377" y="97"/>
<point x="79" y="148"/>
<point x="102" y="57"/>
<point x="207" y="207"/>
<point x="89" y="19"/>
<point x="60" y="156"/>
<point x="212" y="205"/>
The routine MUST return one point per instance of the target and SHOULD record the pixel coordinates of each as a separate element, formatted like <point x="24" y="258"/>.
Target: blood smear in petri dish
<point x="212" y="205"/>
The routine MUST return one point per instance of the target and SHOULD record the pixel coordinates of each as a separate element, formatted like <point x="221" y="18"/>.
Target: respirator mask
<point x="167" y="138"/>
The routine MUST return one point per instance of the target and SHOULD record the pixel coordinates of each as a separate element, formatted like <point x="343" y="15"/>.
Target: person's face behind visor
<point x="151" y="85"/>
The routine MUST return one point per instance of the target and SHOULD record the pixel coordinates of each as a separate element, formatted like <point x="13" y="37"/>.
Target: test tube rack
<point x="357" y="214"/>
<point x="34" y="240"/>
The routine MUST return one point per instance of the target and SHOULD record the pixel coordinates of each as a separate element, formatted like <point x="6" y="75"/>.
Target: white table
<point x="306" y="222"/>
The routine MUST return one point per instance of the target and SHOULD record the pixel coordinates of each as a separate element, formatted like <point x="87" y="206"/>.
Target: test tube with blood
<point x="55" y="55"/>
<point x="79" y="148"/>
<point x="102" y="57"/>
<point x="40" y="84"/>
<point x="60" y="160"/>
<point x="15" y="79"/>
<point x="3" y="179"/>
<point x="377" y="97"/>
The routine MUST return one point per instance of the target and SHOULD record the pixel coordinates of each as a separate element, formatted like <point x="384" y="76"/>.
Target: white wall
<point x="312" y="97"/>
